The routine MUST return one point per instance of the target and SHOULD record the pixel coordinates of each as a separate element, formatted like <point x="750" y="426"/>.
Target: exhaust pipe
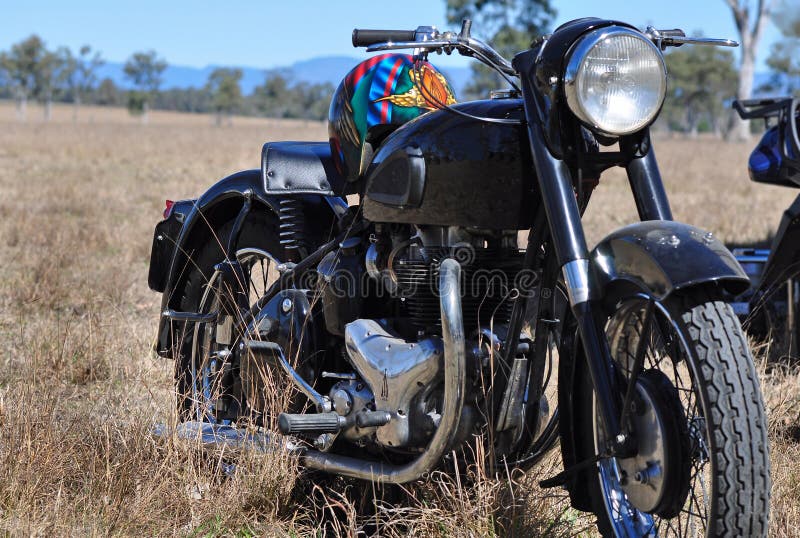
<point x="453" y="400"/>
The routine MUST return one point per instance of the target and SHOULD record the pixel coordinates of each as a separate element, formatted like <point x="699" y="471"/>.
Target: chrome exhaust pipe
<point x="453" y="400"/>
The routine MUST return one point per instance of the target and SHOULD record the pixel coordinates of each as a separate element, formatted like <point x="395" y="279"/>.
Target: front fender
<point x="655" y="258"/>
<point x="659" y="257"/>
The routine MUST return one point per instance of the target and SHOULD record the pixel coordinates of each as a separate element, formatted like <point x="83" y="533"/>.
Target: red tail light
<point x="168" y="209"/>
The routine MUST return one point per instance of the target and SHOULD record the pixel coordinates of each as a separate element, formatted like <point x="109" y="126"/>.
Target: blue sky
<point x="270" y="33"/>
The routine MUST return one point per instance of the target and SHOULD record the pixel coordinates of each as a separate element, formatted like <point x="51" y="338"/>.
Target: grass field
<point x="79" y="391"/>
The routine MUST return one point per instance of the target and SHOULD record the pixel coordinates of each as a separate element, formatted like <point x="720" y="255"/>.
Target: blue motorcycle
<point x="769" y="308"/>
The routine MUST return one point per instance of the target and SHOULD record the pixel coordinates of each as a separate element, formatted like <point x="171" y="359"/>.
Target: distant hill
<point x="320" y="69"/>
<point x="315" y="70"/>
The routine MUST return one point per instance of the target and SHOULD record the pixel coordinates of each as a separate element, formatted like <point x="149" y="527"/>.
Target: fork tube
<point x="566" y="231"/>
<point x="648" y="188"/>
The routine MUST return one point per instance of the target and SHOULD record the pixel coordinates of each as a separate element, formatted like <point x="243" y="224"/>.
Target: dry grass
<point x="79" y="391"/>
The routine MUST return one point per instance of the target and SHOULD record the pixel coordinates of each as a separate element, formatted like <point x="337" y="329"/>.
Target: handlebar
<point x="749" y="109"/>
<point x="365" y="38"/>
<point x="428" y="38"/>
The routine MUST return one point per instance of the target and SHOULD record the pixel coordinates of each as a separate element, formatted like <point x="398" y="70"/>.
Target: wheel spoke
<point x="638" y="361"/>
<point x="211" y="395"/>
<point x="642" y="343"/>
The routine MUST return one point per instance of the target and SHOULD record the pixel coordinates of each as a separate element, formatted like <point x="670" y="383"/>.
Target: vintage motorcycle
<point x="395" y="336"/>
<point x="769" y="307"/>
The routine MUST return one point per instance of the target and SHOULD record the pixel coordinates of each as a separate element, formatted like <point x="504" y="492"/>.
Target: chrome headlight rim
<point x="579" y="53"/>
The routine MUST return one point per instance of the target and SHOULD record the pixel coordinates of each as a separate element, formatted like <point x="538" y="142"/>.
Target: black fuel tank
<point x="446" y="169"/>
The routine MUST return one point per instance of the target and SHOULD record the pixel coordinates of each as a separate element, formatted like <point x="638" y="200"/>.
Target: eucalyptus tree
<point x="226" y="92"/>
<point x="750" y="17"/>
<point x="508" y="25"/>
<point x="144" y="70"/>
<point x="784" y="58"/>
<point x="82" y="76"/>
<point x="21" y="64"/>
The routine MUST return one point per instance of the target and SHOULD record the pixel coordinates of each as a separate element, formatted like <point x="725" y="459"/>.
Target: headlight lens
<point x="616" y="80"/>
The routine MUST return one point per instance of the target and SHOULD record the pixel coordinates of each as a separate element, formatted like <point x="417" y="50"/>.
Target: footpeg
<point x="311" y="423"/>
<point x="371" y="419"/>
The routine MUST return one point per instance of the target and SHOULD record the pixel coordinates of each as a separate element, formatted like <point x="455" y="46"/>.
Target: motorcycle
<point x="769" y="307"/>
<point x="386" y="338"/>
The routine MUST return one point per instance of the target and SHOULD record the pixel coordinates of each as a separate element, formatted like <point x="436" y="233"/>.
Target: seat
<point x="300" y="168"/>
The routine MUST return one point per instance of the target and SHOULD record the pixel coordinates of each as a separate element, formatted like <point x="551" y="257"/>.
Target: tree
<point x="21" y="64"/>
<point x="4" y="79"/>
<point x="784" y="58"/>
<point x="281" y="97"/>
<point x="107" y="94"/>
<point x="274" y="98"/>
<point x="226" y="94"/>
<point x="82" y="78"/>
<point x="702" y="79"/>
<point x="511" y="25"/>
<point x="750" y="16"/>
<point x="144" y="70"/>
<point x="195" y="100"/>
<point x="316" y="99"/>
<point x="50" y="77"/>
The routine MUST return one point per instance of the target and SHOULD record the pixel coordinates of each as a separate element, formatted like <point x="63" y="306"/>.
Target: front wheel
<point x="699" y="464"/>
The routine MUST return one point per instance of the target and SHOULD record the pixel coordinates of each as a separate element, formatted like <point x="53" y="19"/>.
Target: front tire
<point x="700" y="416"/>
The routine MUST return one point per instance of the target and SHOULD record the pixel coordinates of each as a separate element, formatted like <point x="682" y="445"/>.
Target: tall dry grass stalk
<point x="79" y="392"/>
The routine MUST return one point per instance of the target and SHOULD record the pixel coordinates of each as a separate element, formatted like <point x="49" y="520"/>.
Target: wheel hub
<point x="656" y="478"/>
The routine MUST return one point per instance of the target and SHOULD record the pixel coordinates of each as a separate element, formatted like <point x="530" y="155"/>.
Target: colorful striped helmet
<point x="379" y="95"/>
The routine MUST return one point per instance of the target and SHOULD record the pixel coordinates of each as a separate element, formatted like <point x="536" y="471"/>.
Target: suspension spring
<point x="292" y="227"/>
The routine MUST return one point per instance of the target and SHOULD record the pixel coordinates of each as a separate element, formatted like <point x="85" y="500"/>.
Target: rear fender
<point x="219" y="204"/>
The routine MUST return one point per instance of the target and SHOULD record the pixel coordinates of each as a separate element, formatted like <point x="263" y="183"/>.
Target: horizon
<point x="200" y="43"/>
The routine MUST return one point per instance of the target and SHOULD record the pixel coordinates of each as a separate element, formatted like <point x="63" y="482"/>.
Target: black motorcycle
<point x="386" y="338"/>
<point x="769" y="307"/>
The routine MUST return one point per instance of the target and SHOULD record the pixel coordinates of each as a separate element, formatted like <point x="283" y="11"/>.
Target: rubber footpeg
<point x="310" y="423"/>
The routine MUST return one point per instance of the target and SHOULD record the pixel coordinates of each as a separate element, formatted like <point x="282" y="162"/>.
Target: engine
<point x="392" y="327"/>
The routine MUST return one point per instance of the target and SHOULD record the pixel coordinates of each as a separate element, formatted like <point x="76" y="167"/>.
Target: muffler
<point x="453" y="400"/>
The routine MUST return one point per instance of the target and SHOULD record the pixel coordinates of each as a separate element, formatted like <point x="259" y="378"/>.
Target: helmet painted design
<point x="376" y="97"/>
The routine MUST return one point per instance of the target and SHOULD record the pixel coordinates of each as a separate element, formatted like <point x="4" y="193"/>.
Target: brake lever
<point x="675" y="38"/>
<point x="432" y="44"/>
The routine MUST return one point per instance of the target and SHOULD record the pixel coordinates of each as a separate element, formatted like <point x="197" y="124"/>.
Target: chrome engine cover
<point x="396" y="371"/>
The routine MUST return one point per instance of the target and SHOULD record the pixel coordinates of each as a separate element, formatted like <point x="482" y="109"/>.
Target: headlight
<point x="615" y="80"/>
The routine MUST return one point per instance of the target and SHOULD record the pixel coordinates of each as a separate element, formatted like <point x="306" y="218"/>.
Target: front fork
<point x="564" y="220"/>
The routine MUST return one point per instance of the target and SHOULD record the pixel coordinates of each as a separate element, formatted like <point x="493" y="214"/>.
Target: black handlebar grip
<point x="365" y="38"/>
